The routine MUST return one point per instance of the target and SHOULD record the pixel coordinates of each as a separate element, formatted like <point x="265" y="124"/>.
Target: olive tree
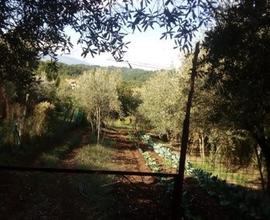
<point x="96" y="92"/>
<point x="162" y="102"/>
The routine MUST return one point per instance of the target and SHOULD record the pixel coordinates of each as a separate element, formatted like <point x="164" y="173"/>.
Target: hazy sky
<point x="145" y="51"/>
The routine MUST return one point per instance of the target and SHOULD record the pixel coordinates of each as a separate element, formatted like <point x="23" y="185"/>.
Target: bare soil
<point x="66" y="196"/>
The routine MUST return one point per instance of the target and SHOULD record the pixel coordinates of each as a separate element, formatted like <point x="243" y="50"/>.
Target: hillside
<point x="134" y="76"/>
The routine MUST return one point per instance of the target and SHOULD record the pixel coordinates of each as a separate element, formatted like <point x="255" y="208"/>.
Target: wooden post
<point x="177" y="209"/>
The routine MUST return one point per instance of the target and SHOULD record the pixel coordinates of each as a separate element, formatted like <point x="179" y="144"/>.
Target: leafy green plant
<point x="170" y="158"/>
<point x="151" y="162"/>
<point x="245" y="204"/>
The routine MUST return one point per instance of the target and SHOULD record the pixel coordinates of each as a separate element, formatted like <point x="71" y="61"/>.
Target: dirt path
<point x="127" y="157"/>
<point x="133" y="197"/>
<point x="68" y="160"/>
<point x="68" y="196"/>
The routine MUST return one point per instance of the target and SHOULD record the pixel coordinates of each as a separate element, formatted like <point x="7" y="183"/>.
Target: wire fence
<point x="231" y="168"/>
<point x="232" y="172"/>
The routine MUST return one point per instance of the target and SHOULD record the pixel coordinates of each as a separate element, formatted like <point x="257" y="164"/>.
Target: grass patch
<point x="49" y="160"/>
<point x="94" y="156"/>
<point x="96" y="189"/>
<point x="126" y="123"/>
<point x="94" y="192"/>
<point x="53" y="157"/>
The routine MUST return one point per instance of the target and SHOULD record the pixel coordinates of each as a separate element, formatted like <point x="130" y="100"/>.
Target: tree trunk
<point x="265" y="147"/>
<point x="23" y="118"/>
<point x="202" y="147"/>
<point x="5" y="102"/>
<point x="266" y="152"/>
<point x="177" y="211"/>
<point x="72" y="115"/>
<point x="92" y="126"/>
<point x="98" y="125"/>
<point x="259" y="166"/>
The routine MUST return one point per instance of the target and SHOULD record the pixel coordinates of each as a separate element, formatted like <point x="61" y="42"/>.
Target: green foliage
<point x="7" y="135"/>
<point x="45" y="113"/>
<point x="108" y="19"/>
<point x="18" y="60"/>
<point x="37" y="123"/>
<point x="245" y="204"/>
<point x="169" y="157"/>
<point x="62" y="69"/>
<point x="129" y="101"/>
<point x="239" y="78"/>
<point x="150" y="161"/>
<point x="238" y="73"/>
<point x="30" y="30"/>
<point x="131" y="77"/>
<point x="163" y="103"/>
<point x="37" y="23"/>
<point x="53" y="157"/>
<point x="234" y="147"/>
<point x="98" y="90"/>
<point x="126" y="123"/>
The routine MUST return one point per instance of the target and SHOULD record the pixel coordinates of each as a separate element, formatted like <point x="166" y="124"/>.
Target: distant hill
<point x="133" y="76"/>
<point x="68" y="60"/>
<point x="136" y="76"/>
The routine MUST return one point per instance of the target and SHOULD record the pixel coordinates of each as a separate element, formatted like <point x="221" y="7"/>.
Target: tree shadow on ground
<point x="92" y="196"/>
<point x="29" y="154"/>
<point x="58" y="196"/>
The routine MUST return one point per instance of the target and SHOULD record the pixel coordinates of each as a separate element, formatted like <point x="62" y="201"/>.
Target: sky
<point x="146" y="51"/>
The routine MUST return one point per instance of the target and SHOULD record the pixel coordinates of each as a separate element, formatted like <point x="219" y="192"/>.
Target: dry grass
<point x="94" y="156"/>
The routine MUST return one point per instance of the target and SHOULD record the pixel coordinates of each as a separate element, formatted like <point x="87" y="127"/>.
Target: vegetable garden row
<point x="244" y="203"/>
